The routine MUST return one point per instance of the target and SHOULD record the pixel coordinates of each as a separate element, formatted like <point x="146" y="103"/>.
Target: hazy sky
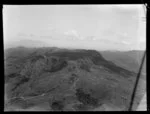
<point x="102" y="27"/>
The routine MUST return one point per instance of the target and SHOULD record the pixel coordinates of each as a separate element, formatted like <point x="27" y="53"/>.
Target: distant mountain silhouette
<point x="25" y="43"/>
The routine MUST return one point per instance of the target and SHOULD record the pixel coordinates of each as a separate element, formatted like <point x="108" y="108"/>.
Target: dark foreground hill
<point x="65" y="80"/>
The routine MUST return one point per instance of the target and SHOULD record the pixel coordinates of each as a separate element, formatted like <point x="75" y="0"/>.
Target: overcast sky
<point x="102" y="27"/>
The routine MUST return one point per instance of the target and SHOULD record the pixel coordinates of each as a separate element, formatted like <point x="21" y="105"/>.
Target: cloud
<point x="72" y="33"/>
<point x="125" y="42"/>
<point x="91" y="38"/>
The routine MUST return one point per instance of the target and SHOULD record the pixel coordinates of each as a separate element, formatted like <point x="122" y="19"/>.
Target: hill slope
<point x="129" y="60"/>
<point x="66" y="79"/>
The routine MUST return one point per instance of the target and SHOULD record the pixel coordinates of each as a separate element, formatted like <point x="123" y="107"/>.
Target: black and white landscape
<point x="70" y="58"/>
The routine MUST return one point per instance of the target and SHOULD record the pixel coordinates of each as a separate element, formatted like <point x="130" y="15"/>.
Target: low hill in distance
<point x="130" y="60"/>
